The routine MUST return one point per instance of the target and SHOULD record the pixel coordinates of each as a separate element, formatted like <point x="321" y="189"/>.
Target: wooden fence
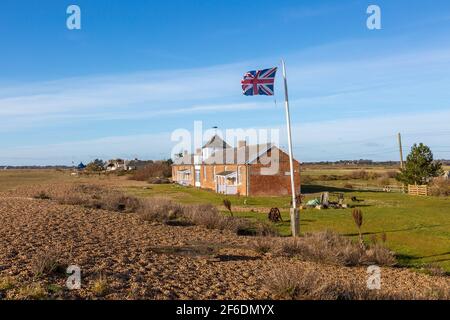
<point x="416" y="190"/>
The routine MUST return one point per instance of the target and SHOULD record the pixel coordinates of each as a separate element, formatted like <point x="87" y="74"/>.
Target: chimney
<point x="242" y="143"/>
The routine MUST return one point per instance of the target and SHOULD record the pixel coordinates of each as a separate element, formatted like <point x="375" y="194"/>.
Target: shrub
<point x="34" y="291"/>
<point x="92" y="196"/>
<point x="42" y="195"/>
<point x="48" y="262"/>
<point x="435" y="270"/>
<point x="159" y="180"/>
<point x="384" y="181"/>
<point x="210" y="217"/>
<point x="158" y="169"/>
<point x="359" y="175"/>
<point x="6" y="283"/>
<point x="306" y="179"/>
<point x="117" y="201"/>
<point x="380" y="255"/>
<point x="391" y="174"/>
<point x="440" y="187"/>
<point x="263" y="245"/>
<point x="160" y="209"/>
<point x="295" y="283"/>
<point x="332" y="248"/>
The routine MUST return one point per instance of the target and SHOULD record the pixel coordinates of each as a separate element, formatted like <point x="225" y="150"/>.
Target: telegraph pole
<point x="401" y="150"/>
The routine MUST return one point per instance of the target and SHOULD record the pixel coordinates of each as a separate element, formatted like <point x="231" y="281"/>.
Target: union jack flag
<point x="259" y="82"/>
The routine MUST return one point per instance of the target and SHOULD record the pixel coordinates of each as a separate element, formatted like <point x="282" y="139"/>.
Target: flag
<point x="259" y="82"/>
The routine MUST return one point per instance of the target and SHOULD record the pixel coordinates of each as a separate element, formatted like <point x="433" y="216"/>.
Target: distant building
<point x="224" y="169"/>
<point x="125" y="165"/>
<point x="115" y="165"/>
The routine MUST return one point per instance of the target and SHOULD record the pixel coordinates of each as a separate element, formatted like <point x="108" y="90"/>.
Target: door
<point x="197" y="177"/>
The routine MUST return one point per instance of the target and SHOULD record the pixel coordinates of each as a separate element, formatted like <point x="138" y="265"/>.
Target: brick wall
<point x="278" y="184"/>
<point x="177" y="168"/>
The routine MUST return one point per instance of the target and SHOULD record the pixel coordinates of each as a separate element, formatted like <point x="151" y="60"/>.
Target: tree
<point x="95" y="166"/>
<point x="420" y="166"/>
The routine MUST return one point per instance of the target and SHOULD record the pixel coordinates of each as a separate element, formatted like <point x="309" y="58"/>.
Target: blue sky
<point x="137" y="71"/>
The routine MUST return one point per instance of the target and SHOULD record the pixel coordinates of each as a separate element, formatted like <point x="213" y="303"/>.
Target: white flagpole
<point x="294" y="212"/>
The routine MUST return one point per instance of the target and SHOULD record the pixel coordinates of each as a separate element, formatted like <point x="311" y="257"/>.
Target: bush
<point x="42" y="195"/>
<point x="116" y="201"/>
<point x="384" y="181"/>
<point x="159" y="209"/>
<point x="159" y="181"/>
<point x="33" y="291"/>
<point x="6" y="283"/>
<point x="440" y="187"/>
<point x="332" y="248"/>
<point x="158" y="169"/>
<point x="92" y="196"/>
<point x="207" y="215"/>
<point x="210" y="217"/>
<point x="378" y="254"/>
<point x="48" y="262"/>
<point x="359" y="175"/>
<point x="294" y="283"/>
<point x="263" y="245"/>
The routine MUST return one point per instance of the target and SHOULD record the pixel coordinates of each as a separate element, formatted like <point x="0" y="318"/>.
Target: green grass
<point x="417" y="228"/>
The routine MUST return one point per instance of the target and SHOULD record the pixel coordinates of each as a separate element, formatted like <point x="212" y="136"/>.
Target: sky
<point x="137" y="71"/>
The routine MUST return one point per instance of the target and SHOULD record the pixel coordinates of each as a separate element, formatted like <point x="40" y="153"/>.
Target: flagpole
<point x="295" y="216"/>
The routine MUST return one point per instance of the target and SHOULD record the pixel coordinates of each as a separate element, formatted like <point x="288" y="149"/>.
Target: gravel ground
<point x="145" y="260"/>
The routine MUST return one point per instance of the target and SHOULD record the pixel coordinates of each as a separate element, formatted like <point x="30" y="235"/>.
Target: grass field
<point x="15" y="178"/>
<point x="417" y="228"/>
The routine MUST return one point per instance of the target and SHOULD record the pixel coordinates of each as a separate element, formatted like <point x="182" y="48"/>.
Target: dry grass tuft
<point x="160" y="209"/>
<point x="7" y="283"/>
<point x="100" y="286"/>
<point x="92" y="196"/>
<point x="42" y="196"/>
<point x="435" y="270"/>
<point x="380" y="255"/>
<point x="293" y="283"/>
<point x="34" y="291"/>
<point x="47" y="263"/>
<point x="209" y="216"/>
<point x="440" y="187"/>
<point x="263" y="245"/>
<point x="332" y="248"/>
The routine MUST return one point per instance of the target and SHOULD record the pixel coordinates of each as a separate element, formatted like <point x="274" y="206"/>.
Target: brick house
<point x="248" y="170"/>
